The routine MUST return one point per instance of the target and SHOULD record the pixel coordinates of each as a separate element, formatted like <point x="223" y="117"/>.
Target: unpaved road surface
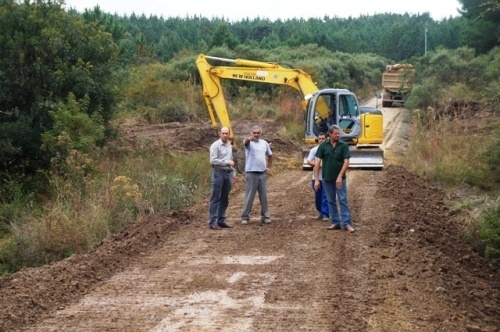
<point x="406" y="268"/>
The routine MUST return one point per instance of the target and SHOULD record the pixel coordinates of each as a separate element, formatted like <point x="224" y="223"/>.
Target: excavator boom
<point x="253" y="71"/>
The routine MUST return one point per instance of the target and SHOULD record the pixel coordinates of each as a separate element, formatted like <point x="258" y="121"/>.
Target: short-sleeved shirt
<point x="256" y="156"/>
<point x="312" y="157"/>
<point x="333" y="158"/>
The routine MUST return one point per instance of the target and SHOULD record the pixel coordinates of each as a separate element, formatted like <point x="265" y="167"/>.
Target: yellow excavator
<point x="361" y="127"/>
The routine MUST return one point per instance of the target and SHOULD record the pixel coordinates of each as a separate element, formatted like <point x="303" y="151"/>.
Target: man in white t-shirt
<point x="258" y="162"/>
<point x="320" y="199"/>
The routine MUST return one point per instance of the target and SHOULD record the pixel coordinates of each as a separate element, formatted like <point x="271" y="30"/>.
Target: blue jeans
<point x="320" y="199"/>
<point x="332" y="193"/>
<point x="221" y="184"/>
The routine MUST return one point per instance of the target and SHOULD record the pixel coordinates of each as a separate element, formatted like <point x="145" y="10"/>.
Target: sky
<point x="270" y="9"/>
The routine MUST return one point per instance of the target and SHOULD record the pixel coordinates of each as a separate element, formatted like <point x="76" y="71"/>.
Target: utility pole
<point x="426" y="29"/>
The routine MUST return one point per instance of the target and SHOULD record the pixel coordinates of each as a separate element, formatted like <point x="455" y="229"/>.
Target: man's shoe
<point x="349" y="229"/>
<point x="266" y="221"/>
<point x="244" y="222"/>
<point x="326" y="218"/>
<point x="224" y="225"/>
<point x="333" y="227"/>
<point x="215" y="227"/>
<point x="319" y="217"/>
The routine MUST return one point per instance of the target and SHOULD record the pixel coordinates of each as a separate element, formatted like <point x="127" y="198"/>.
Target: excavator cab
<point x="340" y="107"/>
<point x="332" y="107"/>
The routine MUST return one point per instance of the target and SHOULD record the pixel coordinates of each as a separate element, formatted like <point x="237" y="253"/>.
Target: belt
<point x="224" y="170"/>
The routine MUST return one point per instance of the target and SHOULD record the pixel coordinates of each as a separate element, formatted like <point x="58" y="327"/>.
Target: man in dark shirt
<point x="333" y="155"/>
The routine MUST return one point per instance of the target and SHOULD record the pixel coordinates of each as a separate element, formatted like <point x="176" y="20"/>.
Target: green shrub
<point x="15" y="201"/>
<point x="151" y="95"/>
<point x="295" y="131"/>
<point x="491" y="154"/>
<point x="425" y="94"/>
<point x="168" y="181"/>
<point x="488" y="230"/>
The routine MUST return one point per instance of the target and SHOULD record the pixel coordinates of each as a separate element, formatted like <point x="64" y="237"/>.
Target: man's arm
<point x="317" y="163"/>
<point x="311" y="157"/>
<point x="342" y="172"/>
<point x="345" y="166"/>
<point x="269" y="161"/>
<point x="246" y="141"/>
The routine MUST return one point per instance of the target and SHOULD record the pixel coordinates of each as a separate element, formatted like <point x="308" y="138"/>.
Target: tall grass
<point x="80" y="217"/>
<point x="445" y="151"/>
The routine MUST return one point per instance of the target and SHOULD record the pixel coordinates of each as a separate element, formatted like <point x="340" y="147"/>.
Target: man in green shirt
<point x="333" y="154"/>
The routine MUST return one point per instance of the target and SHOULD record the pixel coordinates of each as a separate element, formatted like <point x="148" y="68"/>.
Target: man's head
<point x="321" y="137"/>
<point x="224" y="134"/>
<point x="334" y="132"/>
<point x="256" y="132"/>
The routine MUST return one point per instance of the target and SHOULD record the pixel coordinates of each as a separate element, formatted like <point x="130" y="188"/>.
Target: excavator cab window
<point x="348" y="112"/>
<point x="332" y="114"/>
<point x="324" y="113"/>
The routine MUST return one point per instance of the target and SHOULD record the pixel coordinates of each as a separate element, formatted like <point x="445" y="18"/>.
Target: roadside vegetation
<point x="456" y="136"/>
<point x="68" y="180"/>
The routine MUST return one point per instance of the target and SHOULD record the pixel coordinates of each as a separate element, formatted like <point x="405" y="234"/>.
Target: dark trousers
<point x="221" y="183"/>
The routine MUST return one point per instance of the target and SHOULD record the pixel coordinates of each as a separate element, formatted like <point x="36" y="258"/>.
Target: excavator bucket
<point x="366" y="157"/>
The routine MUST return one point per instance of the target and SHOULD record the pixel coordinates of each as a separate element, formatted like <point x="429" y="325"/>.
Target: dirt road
<point x="406" y="268"/>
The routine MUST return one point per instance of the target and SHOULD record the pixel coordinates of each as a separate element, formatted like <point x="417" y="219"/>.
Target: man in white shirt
<point x="258" y="163"/>
<point x="320" y="200"/>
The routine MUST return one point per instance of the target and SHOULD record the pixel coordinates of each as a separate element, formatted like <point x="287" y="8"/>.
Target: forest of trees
<point x="393" y="36"/>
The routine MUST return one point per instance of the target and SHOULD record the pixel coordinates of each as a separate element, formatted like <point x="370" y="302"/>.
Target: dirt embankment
<point x="407" y="267"/>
